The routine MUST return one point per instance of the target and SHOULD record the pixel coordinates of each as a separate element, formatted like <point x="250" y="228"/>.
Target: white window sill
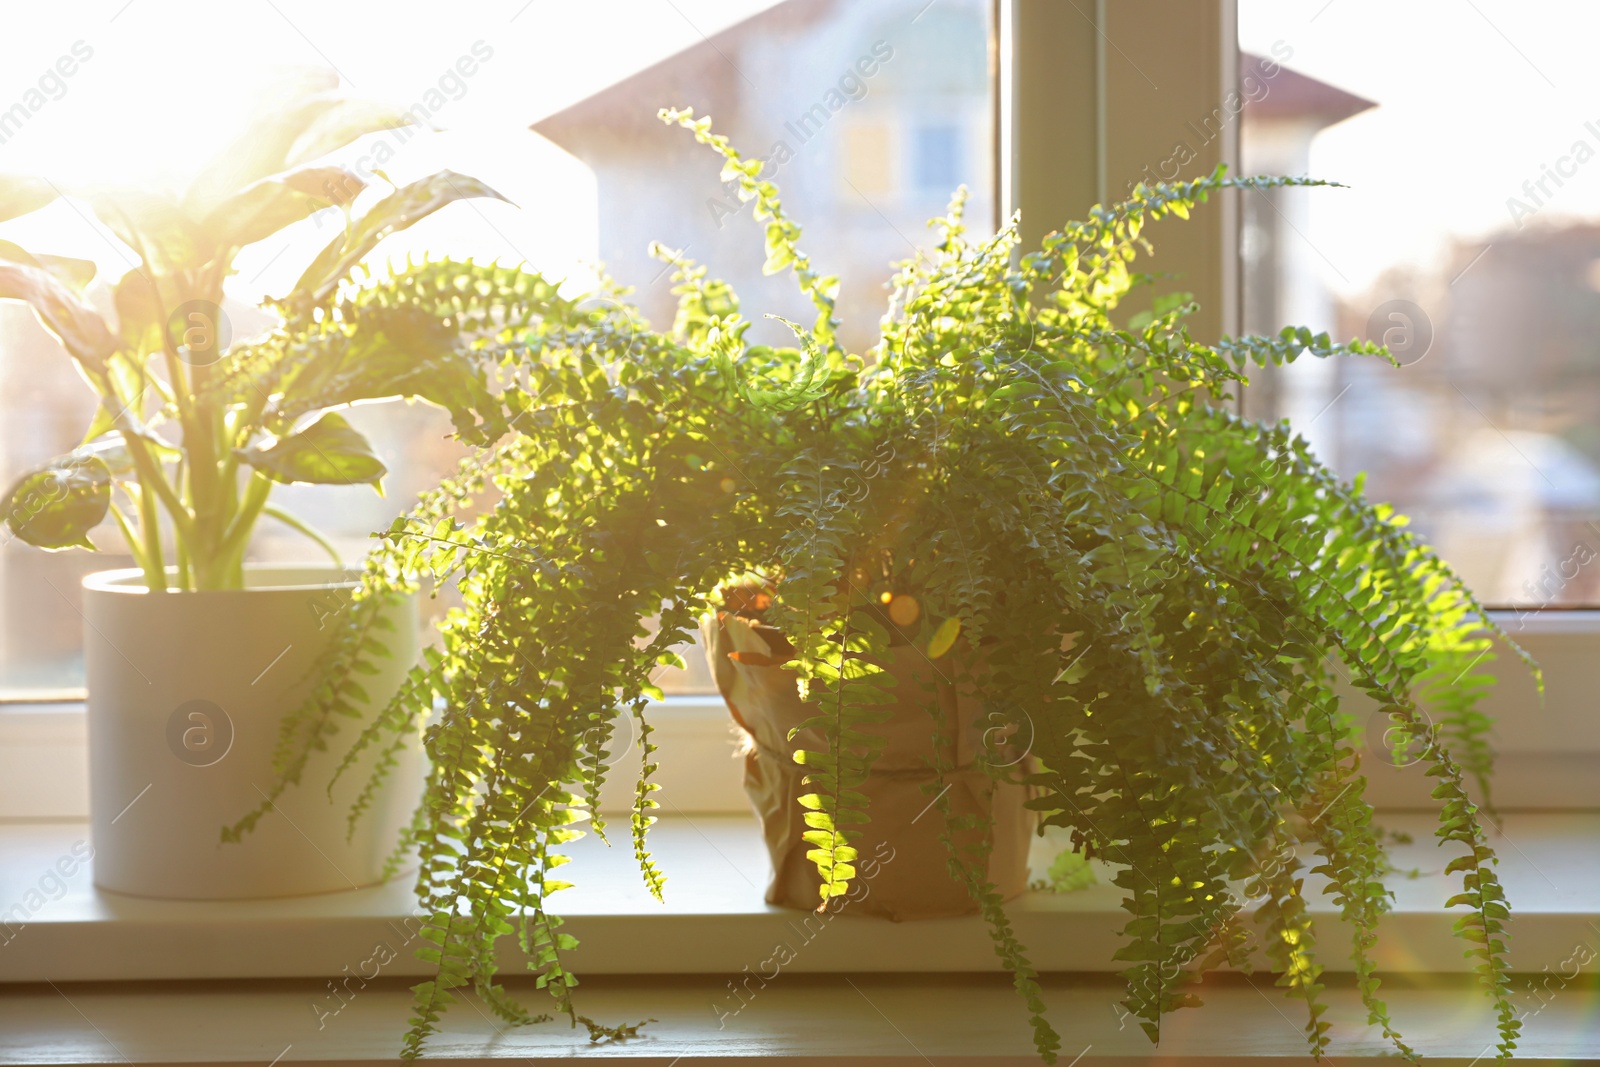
<point x="715" y="922"/>
<point x="678" y="965"/>
<point x="97" y="977"/>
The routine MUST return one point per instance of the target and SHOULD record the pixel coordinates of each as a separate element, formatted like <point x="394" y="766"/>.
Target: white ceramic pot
<point x="186" y="693"/>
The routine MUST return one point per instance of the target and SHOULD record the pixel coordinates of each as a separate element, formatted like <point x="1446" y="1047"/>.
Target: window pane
<point x="1468" y="241"/>
<point x="867" y="114"/>
<point x="938" y="157"/>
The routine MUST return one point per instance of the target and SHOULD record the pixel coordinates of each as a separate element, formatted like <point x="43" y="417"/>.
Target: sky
<point x="1476" y="97"/>
<point x="157" y="87"/>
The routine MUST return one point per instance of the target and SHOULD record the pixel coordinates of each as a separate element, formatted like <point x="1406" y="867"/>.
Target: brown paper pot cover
<point x="903" y="871"/>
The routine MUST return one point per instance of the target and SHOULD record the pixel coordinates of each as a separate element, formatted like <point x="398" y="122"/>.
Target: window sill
<point x="716" y="924"/>
<point x="249" y="981"/>
<point x="97" y="977"/>
<point x="714" y="921"/>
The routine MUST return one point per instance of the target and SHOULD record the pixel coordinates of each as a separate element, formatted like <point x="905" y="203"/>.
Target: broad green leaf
<point x="267" y="206"/>
<point x="141" y="315"/>
<point x="402" y="208"/>
<point x="344" y="121"/>
<point x="398" y="352"/>
<point x="944" y="638"/>
<point x="76" y="273"/>
<point x="79" y="327"/>
<point x="112" y="450"/>
<point x="156" y="226"/>
<point x="20" y="195"/>
<point x="56" y="507"/>
<point x="328" y="452"/>
<point x="283" y="113"/>
<point x="301" y="120"/>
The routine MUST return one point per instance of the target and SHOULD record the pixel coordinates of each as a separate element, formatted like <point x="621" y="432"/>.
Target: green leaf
<point x="398" y="352"/>
<point x="1069" y="872"/>
<point x="328" y="452"/>
<point x="81" y="331"/>
<point x="112" y="449"/>
<point x="341" y="122"/>
<point x="263" y="208"/>
<point x="21" y="195"/>
<point x="56" y="506"/>
<point x="141" y="315"/>
<point x="156" y="226"/>
<point x="401" y="209"/>
<point x="76" y="273"/>
<point x="302" y="117"/>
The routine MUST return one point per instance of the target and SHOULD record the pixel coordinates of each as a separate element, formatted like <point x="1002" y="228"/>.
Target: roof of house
<point x="704" y="76"/>
<point x="1292" y="95"/>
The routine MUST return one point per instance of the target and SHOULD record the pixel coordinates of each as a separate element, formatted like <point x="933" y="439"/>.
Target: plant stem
<point x="155" y="569"/>
<point x="150" y="477"/>
<point x="180" y="544"/>
<point x="132" y="540"/>
<point x="226" y="566"/>
<point x="299" y="525"/>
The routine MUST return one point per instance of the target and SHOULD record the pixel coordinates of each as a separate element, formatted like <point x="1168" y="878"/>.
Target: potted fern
<point x="908" y="875"/>
<point x="1169" y="591"/>
<point x="196" y="425"/>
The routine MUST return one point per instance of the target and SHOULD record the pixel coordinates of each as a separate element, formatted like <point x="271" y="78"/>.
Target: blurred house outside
<point x="1488" y="435"/>
<point x="1494" y="438"/>
<point x="869" y="115"/>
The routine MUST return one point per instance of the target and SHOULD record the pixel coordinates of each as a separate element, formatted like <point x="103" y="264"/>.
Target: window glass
<point x="1467" y="241"/>
<point x="867" y="114"/>
<point x="938" y="157"/>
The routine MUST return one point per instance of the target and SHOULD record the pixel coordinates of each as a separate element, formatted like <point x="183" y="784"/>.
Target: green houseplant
<point x="194" y="428"/>
<point x="247" y="419"/>
<point x="1053" y="472"/>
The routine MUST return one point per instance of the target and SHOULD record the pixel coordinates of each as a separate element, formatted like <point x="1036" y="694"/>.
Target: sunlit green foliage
<point x="1167" y="591"/>
<point x="193" y="431"/>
